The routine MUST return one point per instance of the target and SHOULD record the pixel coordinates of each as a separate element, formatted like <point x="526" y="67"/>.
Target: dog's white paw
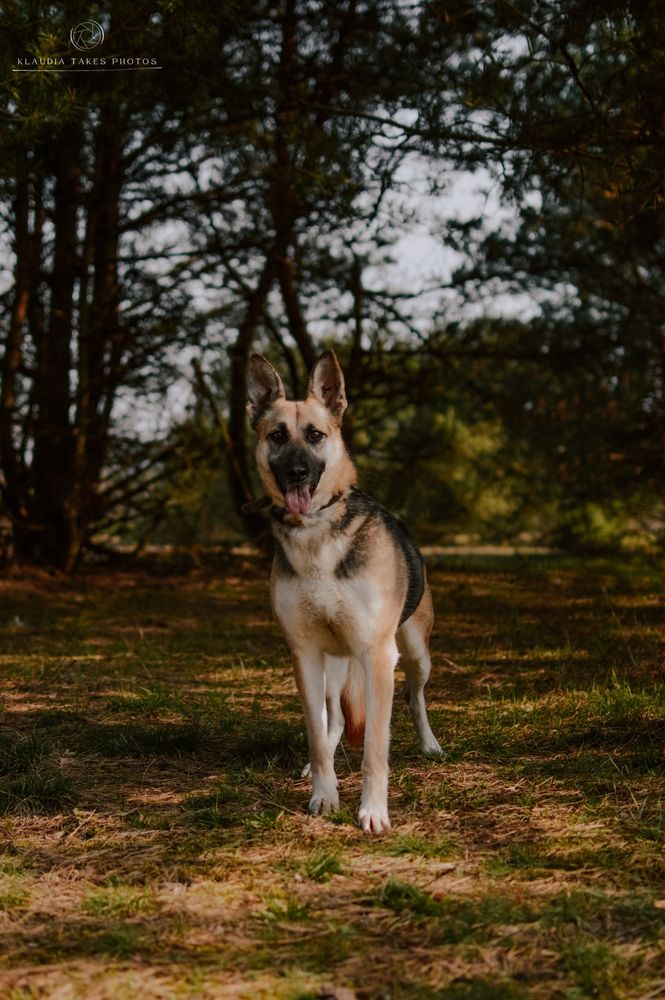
<point x="373" y="818"/>
<point x="323" y="804"/>
<point x="306" y="770"/>
<point x="431" y="746"/>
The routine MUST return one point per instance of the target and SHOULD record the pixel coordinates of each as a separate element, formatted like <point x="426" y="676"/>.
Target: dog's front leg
<point x="379" y="663"/>
<point x="310" y="681"/>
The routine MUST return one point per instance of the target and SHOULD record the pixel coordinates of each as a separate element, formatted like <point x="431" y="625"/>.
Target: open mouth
<point x="298" y="498"/>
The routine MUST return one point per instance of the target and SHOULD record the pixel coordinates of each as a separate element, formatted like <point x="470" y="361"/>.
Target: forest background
<point x="466" y="201"/>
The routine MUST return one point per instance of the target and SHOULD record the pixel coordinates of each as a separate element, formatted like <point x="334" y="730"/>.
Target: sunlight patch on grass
<point x="118" y="902"/>
<point x="436" y="847"/>
<point x="322" y="865"/>
<point x="289" y="910"/>
<point x="144" y="700"/>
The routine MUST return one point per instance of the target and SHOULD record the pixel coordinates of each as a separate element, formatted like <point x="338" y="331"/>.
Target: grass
<point x="30" y="781"/>
<point x="322" y="865"/>
<point x="155" y="839"/>
<point x="117" y="902"/>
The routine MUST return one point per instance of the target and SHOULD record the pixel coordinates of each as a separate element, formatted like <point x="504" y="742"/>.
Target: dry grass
<point x="155" y="839"/>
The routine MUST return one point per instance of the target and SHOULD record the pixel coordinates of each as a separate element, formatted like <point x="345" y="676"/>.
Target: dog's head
<point x="300" y="455"/>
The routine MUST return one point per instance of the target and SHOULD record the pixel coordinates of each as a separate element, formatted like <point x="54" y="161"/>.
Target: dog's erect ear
<point x="264" y="386"/>
<point x="326" y="383"/>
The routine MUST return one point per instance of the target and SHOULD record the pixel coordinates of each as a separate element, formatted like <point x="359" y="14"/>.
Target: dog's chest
<point x="311" y="597"/>
<point x="311" y="564"/>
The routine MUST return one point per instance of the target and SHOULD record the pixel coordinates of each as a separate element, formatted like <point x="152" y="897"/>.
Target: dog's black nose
<point x="297" y="473"/>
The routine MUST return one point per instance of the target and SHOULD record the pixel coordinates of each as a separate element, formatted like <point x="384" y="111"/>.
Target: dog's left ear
<point x="326" y="383"/>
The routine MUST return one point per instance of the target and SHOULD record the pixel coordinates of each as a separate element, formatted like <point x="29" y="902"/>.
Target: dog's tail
<point x="352" y="700"/>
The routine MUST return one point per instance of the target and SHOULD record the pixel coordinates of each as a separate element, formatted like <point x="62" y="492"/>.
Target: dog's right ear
<point x="326" y="383"/>
<point x="264" y="386"/>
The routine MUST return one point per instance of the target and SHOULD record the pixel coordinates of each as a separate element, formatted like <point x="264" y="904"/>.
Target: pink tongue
<point x="298" y="500"/>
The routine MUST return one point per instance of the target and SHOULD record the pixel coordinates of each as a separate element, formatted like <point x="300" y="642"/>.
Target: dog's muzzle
<point x="297" y="473"/>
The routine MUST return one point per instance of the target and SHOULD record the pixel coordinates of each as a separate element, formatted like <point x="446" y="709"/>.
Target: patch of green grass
<point x="13" y="895"/>
<point x="36" y="793"/>
<point x="137" y="740"/>
<point x="532" y="858"/>
<point x="409" y="789"/>
<point x="144" y="700"/>
<point x="148" y="819"/>
<point x="466" y="799"/>
<point x="270" y="741"/>
<point x="118" y="902"/>
<point x="60" y="719"/>
<point x="343" y="817"/>
<point x="12" y="866"/>
<point x="453" y="920"/>
<point x="598" y="970"/>
<point x="402" y="896"/>
<point x="598" y="771"/>
<point x="467" y="919"/>
<point x="262" y="820"/>
<point x="218" y="808"/>
<point x="627" y="917"/>
<point x="322" y="865"/>
<point x="434" y="847"/>
<point x="289" y="910"/>
<point x="121" y="941"/>
<point x="535" y="859"/>
<point x="298" y="947"/>
<point x="253" y="797"/>
<point x="610" y="718"/>
<point x="20" y="755"/>
<point x="483" y="989"/>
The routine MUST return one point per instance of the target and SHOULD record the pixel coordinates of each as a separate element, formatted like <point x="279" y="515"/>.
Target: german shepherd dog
<point x="348" y="586"/>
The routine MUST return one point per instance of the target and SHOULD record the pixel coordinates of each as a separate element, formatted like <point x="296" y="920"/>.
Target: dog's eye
<point x="279" y="436"/>
<point x="314" y="436"/>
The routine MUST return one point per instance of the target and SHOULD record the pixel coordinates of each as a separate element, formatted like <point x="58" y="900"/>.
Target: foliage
<point x="252" y="193"/>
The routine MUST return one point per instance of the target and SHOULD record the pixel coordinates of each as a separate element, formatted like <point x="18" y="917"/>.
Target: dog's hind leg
<point x="412" y="642"/>
<point x="337" y="668"/>
<point x="311" y="684"/>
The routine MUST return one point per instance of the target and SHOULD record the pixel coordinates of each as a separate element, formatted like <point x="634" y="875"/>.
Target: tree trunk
<point x="99" y="335"/>
<point x="297" y="325"/>
<point x="55" y="529"/>
<point x="12" y="488"/>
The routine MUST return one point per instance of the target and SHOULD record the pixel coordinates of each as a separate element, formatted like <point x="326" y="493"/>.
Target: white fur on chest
<point x="313" y="551"/>
<point x="337" y="614"/>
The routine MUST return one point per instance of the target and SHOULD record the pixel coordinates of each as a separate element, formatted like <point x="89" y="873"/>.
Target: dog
<point x="348" y="585"/>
